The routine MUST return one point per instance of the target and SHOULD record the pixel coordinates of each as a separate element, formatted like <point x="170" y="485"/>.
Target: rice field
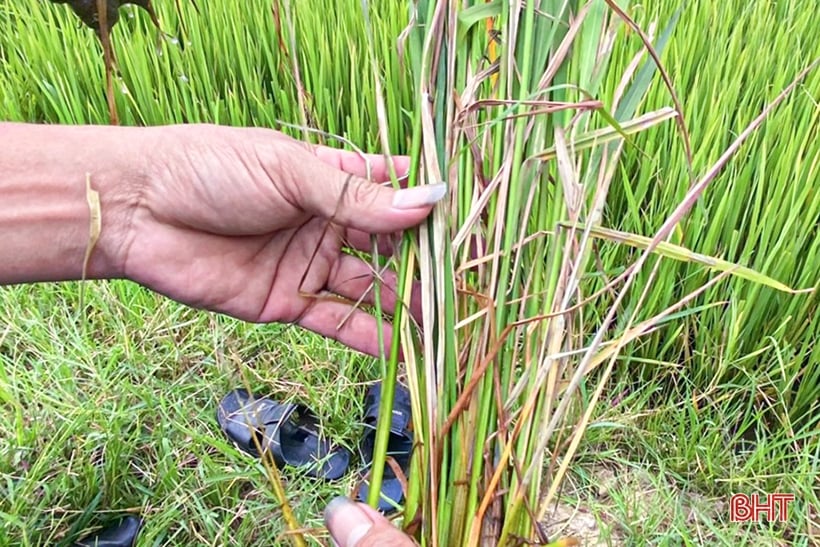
<point x="114" y="413"/>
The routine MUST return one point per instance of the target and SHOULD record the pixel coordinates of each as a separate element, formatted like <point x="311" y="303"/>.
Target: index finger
<point x="356" y="164"/>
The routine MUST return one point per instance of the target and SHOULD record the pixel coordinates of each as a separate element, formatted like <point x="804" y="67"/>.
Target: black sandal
<point x="122" y="534"/>
<point x="399" y="445"/>
<point x="289" y="432"/>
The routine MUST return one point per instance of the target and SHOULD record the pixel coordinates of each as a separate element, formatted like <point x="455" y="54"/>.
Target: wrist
<point x="45" y="211"/>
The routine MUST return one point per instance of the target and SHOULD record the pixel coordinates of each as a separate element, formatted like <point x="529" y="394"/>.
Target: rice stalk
<point x="516" y="128"/>
<point x="468" y="444"/>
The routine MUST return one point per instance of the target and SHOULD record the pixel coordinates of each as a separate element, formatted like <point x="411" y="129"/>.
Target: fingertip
<point x="347" y="325"/>
<point x="336" y="504"/>
<point x="346" y="521"/>
<point x="357" y="163"/>
<point x="424" y="196"/>
<point x="380" y="167"/>
<point x="402" y="165"/>
<point x="348" y="199"/>
<point x="376" y="209"/>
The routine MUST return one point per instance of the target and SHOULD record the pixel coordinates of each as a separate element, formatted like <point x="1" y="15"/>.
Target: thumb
<point x="357" y="525"/>
<point x="354" y="202"/>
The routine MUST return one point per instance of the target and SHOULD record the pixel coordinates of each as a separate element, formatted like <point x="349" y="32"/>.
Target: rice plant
<point x="509" y="111"/>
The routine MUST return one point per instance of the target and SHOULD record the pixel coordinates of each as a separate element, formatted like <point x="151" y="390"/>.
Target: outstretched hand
<point x="242" y="221"/>
<point x="234" y="220"/>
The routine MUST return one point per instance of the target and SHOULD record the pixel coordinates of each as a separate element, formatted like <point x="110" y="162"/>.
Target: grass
<point x="115" y="413"/>
<point x="120" y="415"/>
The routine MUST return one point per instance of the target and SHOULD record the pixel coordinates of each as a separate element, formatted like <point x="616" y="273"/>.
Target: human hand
<point x="222" y="218"/>
<point x="359" y="525"/>
<point x="230" y="218"/>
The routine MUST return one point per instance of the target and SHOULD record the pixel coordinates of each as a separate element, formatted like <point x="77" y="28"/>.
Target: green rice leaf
<point x="472" y="15"/>
<point x="676" y="252"/>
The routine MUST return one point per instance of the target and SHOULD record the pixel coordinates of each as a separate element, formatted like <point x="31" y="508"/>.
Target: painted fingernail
<point x="419" y="196"/>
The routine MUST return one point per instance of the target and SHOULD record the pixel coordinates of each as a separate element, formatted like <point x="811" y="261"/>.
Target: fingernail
<point x="335" y="505"/>
<point x="346" y="522"/>
<point x="419" y="196"/>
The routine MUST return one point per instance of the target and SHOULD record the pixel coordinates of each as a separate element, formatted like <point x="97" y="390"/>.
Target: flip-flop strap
<point x="401" y="415"/>
<point x="264" y="413"/>
<point x="272" y="415"/>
